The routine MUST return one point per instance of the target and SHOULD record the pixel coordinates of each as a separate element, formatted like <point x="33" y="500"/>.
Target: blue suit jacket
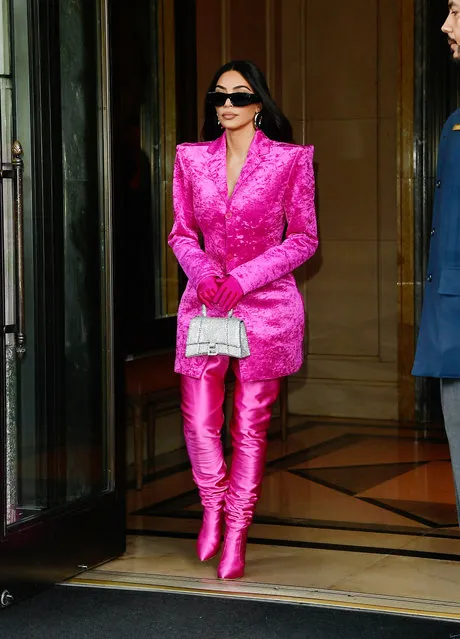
<point x="438" y="346"/>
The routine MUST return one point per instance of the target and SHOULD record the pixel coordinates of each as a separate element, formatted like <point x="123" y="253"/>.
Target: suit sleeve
<point x="301" y="235"/>
<point x="184" y="238"/>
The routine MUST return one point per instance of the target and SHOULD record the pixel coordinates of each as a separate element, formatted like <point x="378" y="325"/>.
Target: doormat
<point x="100" y="613"/>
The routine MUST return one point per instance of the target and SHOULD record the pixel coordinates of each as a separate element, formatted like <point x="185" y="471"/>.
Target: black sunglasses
<point x="241" y="99"/>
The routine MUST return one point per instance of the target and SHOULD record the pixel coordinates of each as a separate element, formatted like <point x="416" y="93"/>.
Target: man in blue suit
<point x="438" y="346"/>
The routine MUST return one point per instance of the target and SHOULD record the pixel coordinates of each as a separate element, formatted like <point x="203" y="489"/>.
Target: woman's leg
<point x="202" y="409"/>
<point x="249" y="426"/>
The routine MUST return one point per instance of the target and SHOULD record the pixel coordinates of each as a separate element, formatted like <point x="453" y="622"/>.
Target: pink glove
<point x="206" y="289"/>
<point x="229" y="293"/>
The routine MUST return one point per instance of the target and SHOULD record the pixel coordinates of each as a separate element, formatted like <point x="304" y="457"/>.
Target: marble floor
<point x="352" y="514"/>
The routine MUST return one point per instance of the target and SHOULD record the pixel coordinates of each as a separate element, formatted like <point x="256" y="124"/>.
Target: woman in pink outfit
<point x="244" y="219"/>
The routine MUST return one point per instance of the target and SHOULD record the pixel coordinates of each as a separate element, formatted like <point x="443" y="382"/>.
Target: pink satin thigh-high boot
<point x="251" y="419"/>
<point x="202" y="410"/>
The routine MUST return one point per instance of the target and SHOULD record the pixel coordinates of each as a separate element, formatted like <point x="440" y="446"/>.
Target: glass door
<point x="61" y="502"/>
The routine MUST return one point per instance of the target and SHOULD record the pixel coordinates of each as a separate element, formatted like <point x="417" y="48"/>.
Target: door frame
<point x="64" y="541"/>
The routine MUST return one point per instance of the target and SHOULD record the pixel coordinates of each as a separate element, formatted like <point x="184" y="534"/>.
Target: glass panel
<point x="29" y="464"/>
<point x="145" y="116"/>
<point x="57" y="440"/>
<point x="7" y="234"/>
<point x="83" y="224"/>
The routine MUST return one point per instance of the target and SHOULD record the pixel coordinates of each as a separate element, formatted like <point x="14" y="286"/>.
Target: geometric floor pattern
<point x="352" y="514"/>
<point x="335" y="475"/>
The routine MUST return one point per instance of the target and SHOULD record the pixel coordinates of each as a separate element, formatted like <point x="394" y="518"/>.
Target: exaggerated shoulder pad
<point x="293" y="148"/>
<point x="187" y="147"/>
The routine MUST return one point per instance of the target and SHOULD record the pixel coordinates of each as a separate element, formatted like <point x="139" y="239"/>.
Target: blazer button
<point x="429" y="277"/>
<point x="438" y="184"/>
<point x="228" y="215"/>
<point x="432" y="231"/>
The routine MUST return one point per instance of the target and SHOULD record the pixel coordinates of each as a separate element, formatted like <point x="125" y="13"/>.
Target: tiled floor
<point x="351" y="514"/>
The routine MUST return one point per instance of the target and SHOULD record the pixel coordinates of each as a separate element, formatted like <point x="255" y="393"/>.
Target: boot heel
<point x="208" y="542"/>
<point x="232" y="562"/>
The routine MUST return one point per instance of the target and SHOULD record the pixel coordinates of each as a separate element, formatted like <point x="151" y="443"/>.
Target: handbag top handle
<point x="203" y="311"/>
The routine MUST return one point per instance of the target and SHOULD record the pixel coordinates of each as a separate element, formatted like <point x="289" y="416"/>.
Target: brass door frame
<point x="405" y="191"/>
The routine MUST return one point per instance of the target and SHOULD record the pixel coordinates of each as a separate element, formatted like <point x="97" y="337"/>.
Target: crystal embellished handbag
<point x="217" y="336"/>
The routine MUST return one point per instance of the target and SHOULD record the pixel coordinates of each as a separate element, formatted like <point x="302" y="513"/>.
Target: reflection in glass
<point x="57" y="437"/>
<point x="144" y="111"/>
<point x="137" y="148"/>
<point x="82" y="225"/>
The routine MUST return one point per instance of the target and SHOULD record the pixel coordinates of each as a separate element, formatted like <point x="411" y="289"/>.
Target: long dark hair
<point x="275" y="124"/>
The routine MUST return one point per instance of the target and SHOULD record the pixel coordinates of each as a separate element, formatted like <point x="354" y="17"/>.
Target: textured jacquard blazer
<point x="259" y="235"/>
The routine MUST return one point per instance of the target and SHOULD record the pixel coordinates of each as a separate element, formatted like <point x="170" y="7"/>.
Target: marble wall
<point x="334" y="70"/>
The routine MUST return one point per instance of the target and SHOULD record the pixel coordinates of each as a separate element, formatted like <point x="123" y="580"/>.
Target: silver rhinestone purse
<point x="217" y="336"/>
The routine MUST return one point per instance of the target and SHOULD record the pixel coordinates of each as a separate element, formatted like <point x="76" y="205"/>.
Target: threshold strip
<point x="358" y="602"/>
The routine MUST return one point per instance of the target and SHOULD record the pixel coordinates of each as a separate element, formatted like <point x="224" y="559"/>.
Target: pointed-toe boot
<point x="249" y="426"/>
<point x="201" y="404"/>
<point x="232" y="561"/>
<point x="208" y="543"/>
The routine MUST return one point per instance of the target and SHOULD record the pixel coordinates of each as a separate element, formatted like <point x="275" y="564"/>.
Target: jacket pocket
<point x="449" y="282"/>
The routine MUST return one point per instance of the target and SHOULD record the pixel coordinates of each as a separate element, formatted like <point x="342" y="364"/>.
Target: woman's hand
<point x="207" y="289"/>
<point x="228" y="294"/>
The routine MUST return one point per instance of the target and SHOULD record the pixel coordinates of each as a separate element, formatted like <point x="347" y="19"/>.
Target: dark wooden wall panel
<point x="248" y="31"/>
<point x="208" y="47"/>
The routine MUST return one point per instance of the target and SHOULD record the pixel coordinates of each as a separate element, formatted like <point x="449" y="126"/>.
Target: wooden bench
<point x="150" y="385"/>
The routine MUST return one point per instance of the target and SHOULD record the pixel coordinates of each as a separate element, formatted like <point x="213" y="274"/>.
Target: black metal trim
<point x="48" y="258"/>
<point x="8" y="328"/>
<point x="6" y="173"/>
<point x="118" y="345"/>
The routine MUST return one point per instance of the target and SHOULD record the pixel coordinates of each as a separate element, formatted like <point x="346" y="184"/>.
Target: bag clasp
<point x="212" y="349"/>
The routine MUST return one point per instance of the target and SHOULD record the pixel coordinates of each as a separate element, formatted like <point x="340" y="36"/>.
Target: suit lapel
<point x="260" y="146"/>
<point x="217" y="162"/>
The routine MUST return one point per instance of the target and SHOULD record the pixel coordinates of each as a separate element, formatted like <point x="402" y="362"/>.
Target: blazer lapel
<point x="260" y="146"/>
<point x="217" y="163"/>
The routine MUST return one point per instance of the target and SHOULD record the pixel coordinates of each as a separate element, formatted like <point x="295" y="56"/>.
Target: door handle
<point x="6" y="599"/>
<point x="18" y="172"/>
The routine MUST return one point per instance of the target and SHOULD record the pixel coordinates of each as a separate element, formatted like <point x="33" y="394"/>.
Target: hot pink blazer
<point x="243" y="235"/>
